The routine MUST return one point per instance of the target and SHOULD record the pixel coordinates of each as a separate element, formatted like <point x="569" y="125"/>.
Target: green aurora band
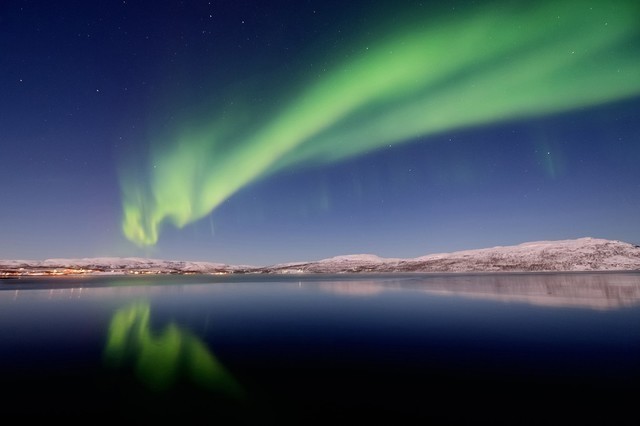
<point x="497" y="64"/>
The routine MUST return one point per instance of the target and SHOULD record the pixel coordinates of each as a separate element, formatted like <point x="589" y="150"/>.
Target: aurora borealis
<point x="279" y="131"/>
<point x="489" y="66"/>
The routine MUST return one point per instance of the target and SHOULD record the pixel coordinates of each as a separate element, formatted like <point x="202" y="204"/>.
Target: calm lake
<point x="265" y="349"/>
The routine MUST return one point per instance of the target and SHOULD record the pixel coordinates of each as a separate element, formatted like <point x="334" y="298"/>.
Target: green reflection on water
<point x="160" y="359"/>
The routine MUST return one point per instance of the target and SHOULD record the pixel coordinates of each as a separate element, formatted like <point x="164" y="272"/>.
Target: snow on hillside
<point x="583" y="254"/>
<point x="110" y="265"/>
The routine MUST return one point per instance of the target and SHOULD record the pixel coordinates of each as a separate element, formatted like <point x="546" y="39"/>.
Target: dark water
<point x="410" y="349"/>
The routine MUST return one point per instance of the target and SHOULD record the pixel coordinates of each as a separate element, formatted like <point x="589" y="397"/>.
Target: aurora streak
<point x="485" y="67"/>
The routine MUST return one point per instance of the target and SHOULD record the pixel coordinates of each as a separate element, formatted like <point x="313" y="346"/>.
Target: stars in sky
<point x="101" y="96"/>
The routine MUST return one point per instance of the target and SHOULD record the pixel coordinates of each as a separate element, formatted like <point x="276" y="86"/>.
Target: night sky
<point x="258" y="132"/>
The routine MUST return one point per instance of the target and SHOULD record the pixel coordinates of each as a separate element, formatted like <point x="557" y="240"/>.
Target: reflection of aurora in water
<point x="416" y="351"/>
<point x="162" y="358"/>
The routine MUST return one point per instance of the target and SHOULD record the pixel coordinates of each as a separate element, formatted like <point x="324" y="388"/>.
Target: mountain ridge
<point x="582" y="254"/>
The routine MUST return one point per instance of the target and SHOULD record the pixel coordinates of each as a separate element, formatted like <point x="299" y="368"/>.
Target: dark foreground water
<point x="410" y="349"/>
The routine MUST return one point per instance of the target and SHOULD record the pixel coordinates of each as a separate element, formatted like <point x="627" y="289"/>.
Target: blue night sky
<point x="254" y="132"/>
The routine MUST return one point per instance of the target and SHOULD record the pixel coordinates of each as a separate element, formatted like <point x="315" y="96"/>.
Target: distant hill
<point x="112" y="265"/>
<point x="583" y="254"/>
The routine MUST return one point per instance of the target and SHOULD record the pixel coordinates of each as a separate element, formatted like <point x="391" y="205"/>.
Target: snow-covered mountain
<point x="583" y="254"/>
<point x="113" y="265"/>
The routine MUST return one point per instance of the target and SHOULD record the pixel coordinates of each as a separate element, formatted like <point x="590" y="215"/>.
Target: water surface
<point x="502" y="348"/>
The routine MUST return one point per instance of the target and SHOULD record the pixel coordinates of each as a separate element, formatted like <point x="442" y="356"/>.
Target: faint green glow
<point x="160" y="359"/>
<point x="495" y="64"/>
